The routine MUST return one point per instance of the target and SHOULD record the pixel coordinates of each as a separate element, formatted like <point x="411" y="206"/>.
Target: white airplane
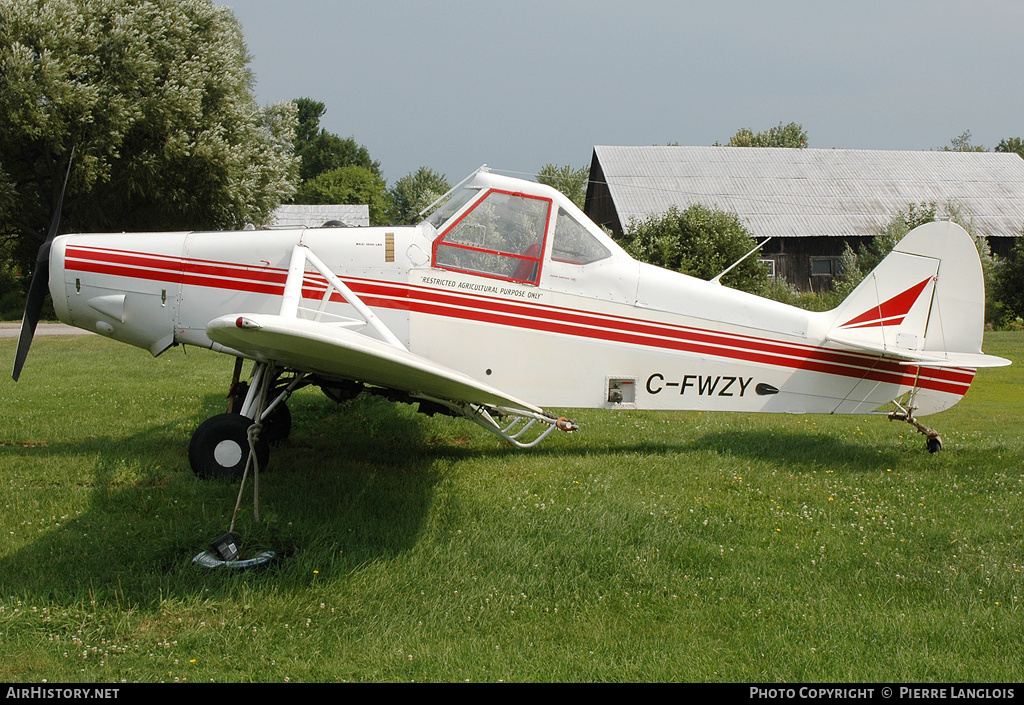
<point x="505" y="300"/>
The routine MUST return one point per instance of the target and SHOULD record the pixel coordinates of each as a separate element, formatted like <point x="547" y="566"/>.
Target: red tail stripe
<point x="896" y="307"/>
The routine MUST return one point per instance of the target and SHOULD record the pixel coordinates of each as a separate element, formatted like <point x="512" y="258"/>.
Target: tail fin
<point x="924" y="303"/>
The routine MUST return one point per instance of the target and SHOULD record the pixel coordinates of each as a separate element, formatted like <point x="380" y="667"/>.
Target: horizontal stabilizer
<point x="926" y="358"/>
<point x="339" y="353"/>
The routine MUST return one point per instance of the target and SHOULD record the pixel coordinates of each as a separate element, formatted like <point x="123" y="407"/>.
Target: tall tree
<point x="1012" y="144"/>
<point x="963" y="143"/>
<point x="320" y="151"/>
<point x="857" y="265"/>
<point x="155" y="98"/>
<point x="414" y="192"/>
<point x="791" y="135"/>
<point x="1009" y="287"/>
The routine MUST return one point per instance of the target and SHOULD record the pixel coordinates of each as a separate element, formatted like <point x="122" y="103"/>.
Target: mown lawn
<point x="646" y="547"/>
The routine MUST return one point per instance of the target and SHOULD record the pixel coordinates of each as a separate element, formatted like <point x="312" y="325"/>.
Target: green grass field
<point x="645" y="547"/>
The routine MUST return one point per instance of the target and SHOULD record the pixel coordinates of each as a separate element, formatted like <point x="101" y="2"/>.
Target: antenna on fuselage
<point x="718" y="279"/>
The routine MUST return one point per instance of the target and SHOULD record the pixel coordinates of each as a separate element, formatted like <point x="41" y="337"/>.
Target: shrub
<point x="698" y="241"/>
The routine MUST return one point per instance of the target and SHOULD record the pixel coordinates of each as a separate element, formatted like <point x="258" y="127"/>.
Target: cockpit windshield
<point x="450" y="207"/>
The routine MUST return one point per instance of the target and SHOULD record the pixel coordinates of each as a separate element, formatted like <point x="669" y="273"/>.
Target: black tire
<point x="220" y="447"/>
<point x="240" y="391"/>
<point x="278" y="426"/>
<point x="934" y="444"/>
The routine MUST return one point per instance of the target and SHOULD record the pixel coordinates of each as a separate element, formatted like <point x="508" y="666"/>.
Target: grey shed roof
<point x="315" y="216"/>
<point x="814" y="192"/>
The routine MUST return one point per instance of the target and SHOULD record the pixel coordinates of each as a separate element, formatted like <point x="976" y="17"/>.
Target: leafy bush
<point x="782" y="291"/>
<point x="415" y="192"/>
<point x="857" y="265"/>
<point x="347" y="185"/>
<point x="698" y="241"/>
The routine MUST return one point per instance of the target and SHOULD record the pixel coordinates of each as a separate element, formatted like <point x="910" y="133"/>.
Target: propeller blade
<point x="39" y="284"/>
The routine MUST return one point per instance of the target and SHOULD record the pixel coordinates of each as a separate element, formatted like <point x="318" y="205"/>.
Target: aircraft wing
<point x="340" y="353"/>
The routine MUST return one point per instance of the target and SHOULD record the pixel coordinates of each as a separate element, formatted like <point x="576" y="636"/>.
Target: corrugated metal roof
<point x="815" y="192"/>
<point x="315" y="216"/>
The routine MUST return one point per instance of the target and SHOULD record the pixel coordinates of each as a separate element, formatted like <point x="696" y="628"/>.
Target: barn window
<point x="825" y="266"/>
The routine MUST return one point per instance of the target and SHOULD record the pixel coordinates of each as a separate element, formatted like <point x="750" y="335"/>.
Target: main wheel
<point x="278" y="426"/>
<point x="241" y="390"/>
<point x="934" y="444"/>
<point x="220" y="447"/>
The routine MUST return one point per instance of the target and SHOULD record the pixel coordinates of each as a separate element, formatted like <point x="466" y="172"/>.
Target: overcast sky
<point x="452" y="85"/>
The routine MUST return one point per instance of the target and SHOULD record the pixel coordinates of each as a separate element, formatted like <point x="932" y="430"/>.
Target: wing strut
<point x="293" y="293"/>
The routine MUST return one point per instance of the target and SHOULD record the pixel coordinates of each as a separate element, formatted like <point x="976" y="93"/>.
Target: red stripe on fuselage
<point x="553" y="319"/>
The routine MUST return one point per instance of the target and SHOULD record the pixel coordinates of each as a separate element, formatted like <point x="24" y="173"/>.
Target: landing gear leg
<point x="277" y="424"/>
<point x="934" y="442"/>
<point x="274" y="414"/>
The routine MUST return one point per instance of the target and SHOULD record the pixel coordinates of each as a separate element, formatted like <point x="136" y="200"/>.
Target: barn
<point x="811" y="202"/>
<point x="302" y="216"/>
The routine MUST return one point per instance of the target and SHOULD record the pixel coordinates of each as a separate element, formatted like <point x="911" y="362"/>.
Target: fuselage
<point x="508" y="283"/>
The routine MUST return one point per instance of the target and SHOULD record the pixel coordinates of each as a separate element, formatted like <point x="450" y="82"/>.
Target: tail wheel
<point x="220" y="447"/>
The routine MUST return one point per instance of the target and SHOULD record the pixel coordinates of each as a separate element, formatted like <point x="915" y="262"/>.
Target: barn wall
<point x="809" y="263"/>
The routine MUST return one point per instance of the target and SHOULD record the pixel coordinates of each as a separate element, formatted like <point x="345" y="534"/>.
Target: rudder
<point x="925" y="301"/>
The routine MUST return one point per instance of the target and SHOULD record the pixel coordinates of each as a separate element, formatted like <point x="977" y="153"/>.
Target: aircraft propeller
<point x="40" y="283"/>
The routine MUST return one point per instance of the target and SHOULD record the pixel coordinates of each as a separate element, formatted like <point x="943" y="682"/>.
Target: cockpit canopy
<point x="505" y="228"/>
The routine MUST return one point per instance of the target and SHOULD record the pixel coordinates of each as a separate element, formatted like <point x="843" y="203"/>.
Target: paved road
<point x="10" y="329"/>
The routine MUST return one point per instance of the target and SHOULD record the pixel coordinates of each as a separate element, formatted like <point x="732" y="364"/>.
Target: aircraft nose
<point x="58" y="290"/>
<point x="108" y="284"/>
